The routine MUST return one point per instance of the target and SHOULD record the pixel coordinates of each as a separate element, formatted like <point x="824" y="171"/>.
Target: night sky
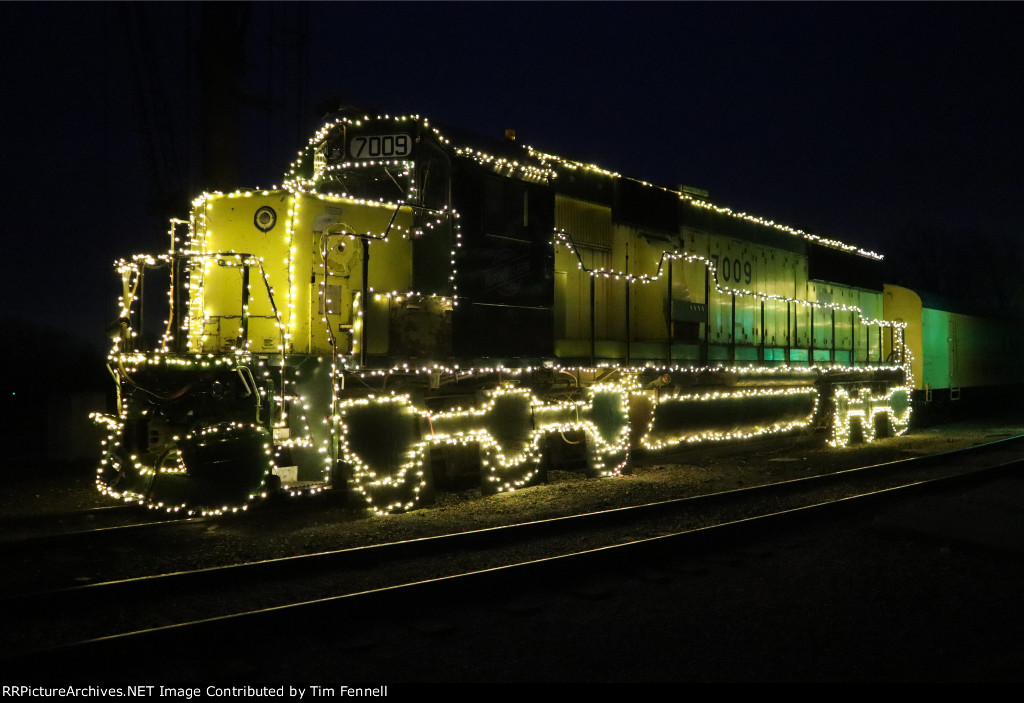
<point x="857" y="121"/>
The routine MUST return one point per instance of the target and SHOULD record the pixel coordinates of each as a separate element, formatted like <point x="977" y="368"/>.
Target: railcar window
<point x="432" y="177"/>
<point x="389" y="183"/>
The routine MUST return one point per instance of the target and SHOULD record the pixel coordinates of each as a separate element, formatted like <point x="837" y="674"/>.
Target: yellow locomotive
<point x="415" y="307"/>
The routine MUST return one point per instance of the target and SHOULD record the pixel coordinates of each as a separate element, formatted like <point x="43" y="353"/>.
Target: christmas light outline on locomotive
<point x="497" y="468"/>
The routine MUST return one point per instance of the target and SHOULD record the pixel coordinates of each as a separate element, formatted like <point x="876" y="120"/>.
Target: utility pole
<point x="221" y="64"/>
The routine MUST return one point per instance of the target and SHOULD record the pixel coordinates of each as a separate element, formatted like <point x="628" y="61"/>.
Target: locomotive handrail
<point x="172" y="396"/>
<point x="132" y="275"/>
<point x="710" y="266"/>
<point x="246" y="260"/>
<point x="366" y="238"/>
<point x="250" y="387"/>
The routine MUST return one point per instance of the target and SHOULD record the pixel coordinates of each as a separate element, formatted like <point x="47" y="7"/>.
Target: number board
<point x="380" y="146"/>
<point x="732" y="270"/>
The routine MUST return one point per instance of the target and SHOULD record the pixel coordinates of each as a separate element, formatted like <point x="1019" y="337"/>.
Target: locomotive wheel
<point x="224" y="466"/>
<point x="603" y="460"/>
<point x="383" y="459"/>
<point x="608" y="434"/>
<point x="120" y="474"/>
<point x="497" y="479"/>
<point x="564" y="451"/>
<point x="455" y="466"/>
<point x="883" y="426"/>
<point x="511" y="458"/>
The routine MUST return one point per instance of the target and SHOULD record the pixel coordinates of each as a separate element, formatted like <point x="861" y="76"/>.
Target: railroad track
<point x="37" y="529"/>
<point x="244" y="601"/>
